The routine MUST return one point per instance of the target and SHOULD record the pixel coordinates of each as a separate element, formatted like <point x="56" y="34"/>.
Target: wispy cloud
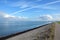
<point x="24" y="4"/>
<point x="38" y="0"/>
<point x="41" y="6"/>
<point x="52" y="2"/>
<point x="20" y="4"/>
<point x="3" y="1"/>
<point x="47" y="7"/>
<point x="21" y="10"/>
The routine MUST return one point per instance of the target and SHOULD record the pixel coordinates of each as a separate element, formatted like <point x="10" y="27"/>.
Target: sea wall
<point x="45" y="32"/>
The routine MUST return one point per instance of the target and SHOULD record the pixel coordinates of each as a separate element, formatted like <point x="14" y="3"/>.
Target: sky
<point x="31" y="8"/>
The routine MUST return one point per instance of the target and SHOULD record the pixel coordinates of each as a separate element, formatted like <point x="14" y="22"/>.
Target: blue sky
<point x="30" y="8"/>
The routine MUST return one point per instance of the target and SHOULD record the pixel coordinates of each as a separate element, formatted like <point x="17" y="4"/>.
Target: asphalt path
<point x="57" y="31"/>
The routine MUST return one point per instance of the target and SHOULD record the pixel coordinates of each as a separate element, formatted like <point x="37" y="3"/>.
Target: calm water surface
<point x="8" y="28"/>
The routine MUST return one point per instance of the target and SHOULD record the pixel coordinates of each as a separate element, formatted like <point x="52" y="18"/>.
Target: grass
<point x="58" y="22"/>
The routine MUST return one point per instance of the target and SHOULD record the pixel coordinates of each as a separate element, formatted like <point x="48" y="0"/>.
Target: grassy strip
<point x="58" y="22"/>
<point x="52" y="31"/>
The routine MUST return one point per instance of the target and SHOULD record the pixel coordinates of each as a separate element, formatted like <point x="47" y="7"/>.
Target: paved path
<point x="57" y="32"/>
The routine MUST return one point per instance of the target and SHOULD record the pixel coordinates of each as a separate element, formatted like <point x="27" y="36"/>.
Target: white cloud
<point x="45" y="18"/>
<point x="8" y="17"/>
<point x="50" y="17"/>
<point x="56" y="17"/>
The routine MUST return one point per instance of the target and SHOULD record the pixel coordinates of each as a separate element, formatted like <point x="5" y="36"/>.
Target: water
<point x="8" y="28"/>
